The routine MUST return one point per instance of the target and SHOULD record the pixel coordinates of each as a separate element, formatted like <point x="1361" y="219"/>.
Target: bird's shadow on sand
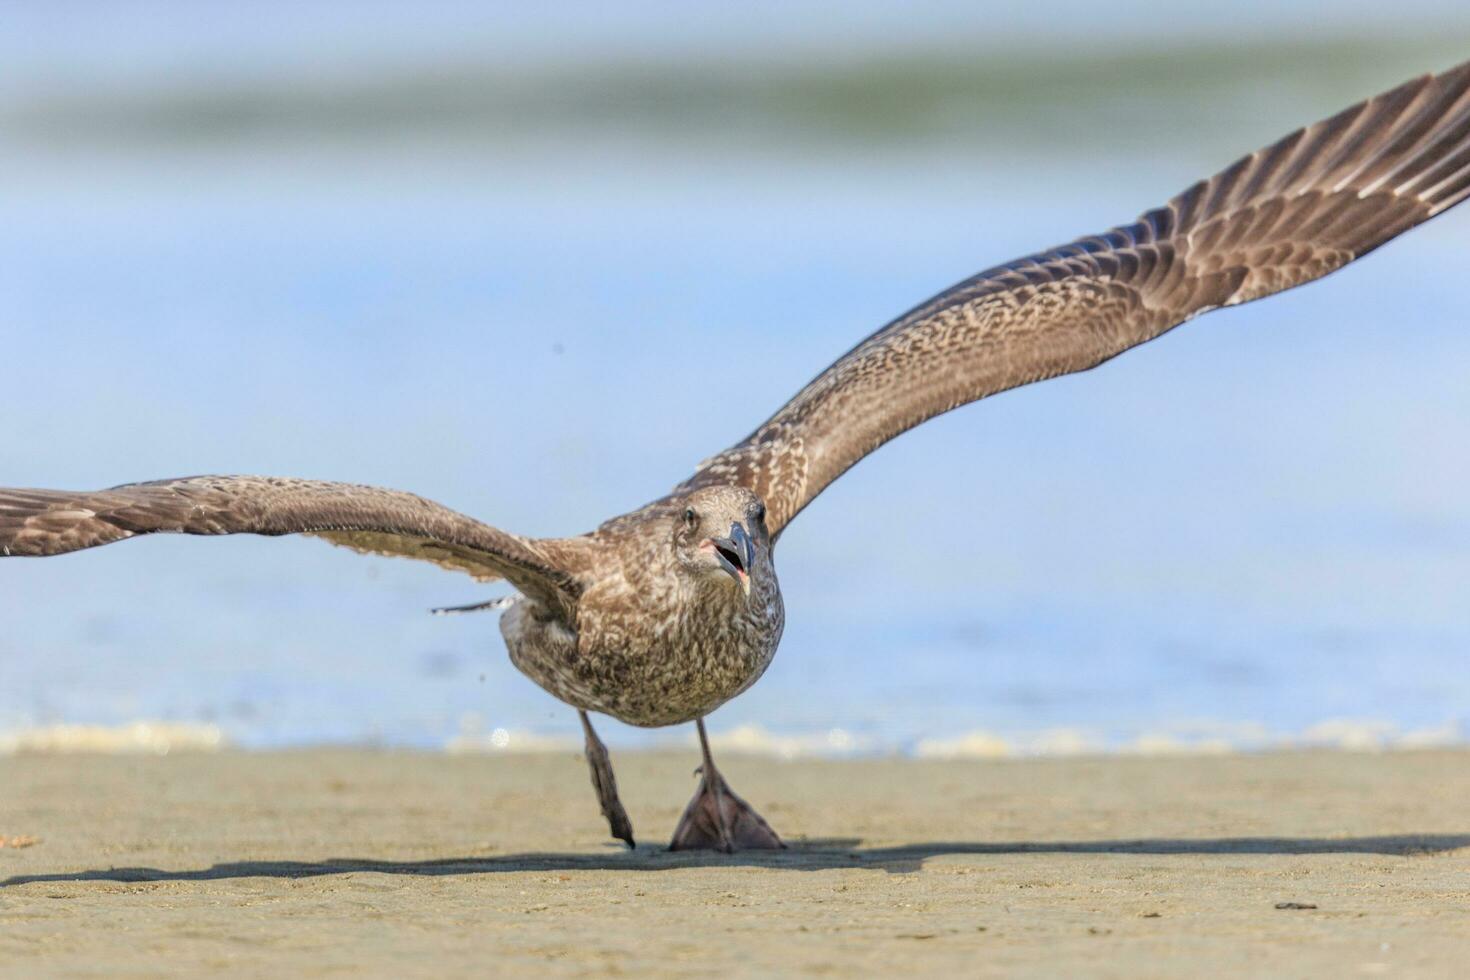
<point x="817" y="854"/>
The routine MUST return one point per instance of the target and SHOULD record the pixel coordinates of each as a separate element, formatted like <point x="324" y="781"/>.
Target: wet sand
<point x="385" y="863"/>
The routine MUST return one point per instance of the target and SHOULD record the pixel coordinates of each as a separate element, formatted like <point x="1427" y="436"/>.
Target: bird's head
<point x="720" y="534"/>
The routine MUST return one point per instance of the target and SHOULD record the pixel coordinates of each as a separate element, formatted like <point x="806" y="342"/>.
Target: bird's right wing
<point x="1293" y="212"/>
<point x="366" y="519"/>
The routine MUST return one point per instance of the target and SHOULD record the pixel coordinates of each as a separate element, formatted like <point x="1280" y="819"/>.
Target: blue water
<point x="1258" y="520"/>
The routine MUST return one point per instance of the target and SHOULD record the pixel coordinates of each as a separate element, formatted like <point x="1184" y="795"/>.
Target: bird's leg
<point x="717" y="819"/>
<point x="606" y="785"/>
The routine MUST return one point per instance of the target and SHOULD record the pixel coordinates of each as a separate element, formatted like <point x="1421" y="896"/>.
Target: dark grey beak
<point x="736" y="554"/>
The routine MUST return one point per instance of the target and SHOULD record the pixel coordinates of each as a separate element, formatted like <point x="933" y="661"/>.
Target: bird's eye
<point x="760" y="512"/>
<point x="690" y="518"/>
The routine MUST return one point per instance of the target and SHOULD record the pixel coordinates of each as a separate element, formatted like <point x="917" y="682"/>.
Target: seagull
<point x="663" y="614"/>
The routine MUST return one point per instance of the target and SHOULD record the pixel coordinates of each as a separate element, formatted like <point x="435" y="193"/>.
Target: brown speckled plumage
<point x="652" y="643"/>
<point x="644" y="620"/>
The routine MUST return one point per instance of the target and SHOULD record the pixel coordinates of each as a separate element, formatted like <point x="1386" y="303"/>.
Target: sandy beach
<point x="382" y="863"/>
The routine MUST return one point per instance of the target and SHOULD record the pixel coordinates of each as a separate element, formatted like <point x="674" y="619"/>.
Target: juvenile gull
<point x="663" y="614"/>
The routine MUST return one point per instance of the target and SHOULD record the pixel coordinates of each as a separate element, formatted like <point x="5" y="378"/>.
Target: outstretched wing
<point x="367" y="519"/>
<point x="1286" y="215"/>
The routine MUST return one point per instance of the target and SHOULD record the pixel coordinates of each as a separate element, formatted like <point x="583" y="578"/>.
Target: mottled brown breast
<point x="650" y="649"/>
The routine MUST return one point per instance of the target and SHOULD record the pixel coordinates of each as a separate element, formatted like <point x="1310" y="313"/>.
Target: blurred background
<point x="501" y="255"/>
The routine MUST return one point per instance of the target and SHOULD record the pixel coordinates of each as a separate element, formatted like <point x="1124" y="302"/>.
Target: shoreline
<point x="160" y="737"/>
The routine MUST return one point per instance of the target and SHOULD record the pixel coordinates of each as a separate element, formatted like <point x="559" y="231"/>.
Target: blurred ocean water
<point x="506" y="262"/>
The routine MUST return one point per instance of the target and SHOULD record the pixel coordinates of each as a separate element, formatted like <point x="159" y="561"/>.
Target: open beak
<point x="736" y="554"/>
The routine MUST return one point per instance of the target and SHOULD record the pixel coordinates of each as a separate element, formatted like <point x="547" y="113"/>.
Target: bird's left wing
<point x="372" y="520"/>
<point x="1293" y="212"/>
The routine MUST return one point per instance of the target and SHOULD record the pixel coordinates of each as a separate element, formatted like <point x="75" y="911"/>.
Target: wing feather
<point x="371" y="520"/>
<point x="1290" y="213"/>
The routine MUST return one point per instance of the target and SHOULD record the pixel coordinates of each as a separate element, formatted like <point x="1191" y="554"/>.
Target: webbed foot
<point x="718" y="820"/>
